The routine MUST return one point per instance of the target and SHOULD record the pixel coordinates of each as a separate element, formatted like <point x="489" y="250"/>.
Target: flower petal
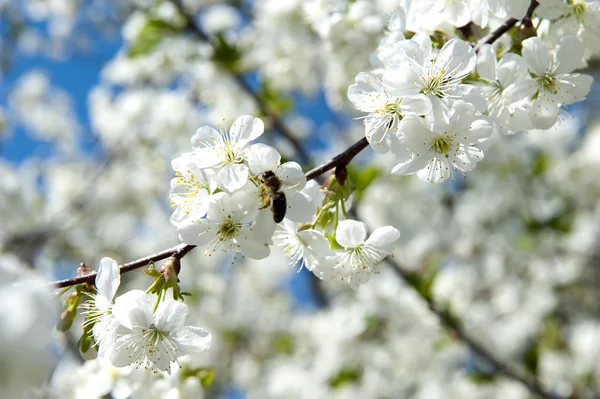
<point x="171" y="315"/>
<point x="246" y="128"/>
<point x="232" y="176"/>
<point x="300" y="208"/>
<point x="536" y="54"/>
<point x="133" y="309"/>
<point x="384" y="239"/>
<point x="350" y="233"/>
<point x="262" y="157"/>
<point x="108" y="278"/>
<point x="192" y="340"/>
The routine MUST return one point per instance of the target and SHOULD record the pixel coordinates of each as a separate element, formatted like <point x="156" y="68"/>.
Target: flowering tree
<point x="445" y="229"/>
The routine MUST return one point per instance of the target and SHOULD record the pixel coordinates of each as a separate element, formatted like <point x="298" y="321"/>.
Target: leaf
<point x="284" y="343"/>
<point x="226" y="54"/>
<point x="150" y="36"/>
<point x="531" y="358"/>
<point x="206" y="375"/>
<point x="362" y="178"/>
<point x="346" y="375"/>
<point x="273" y="98"/>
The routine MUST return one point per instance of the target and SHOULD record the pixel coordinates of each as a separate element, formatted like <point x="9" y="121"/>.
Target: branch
<point x="453" y="325"/>
<point x="502" y="29"/>
<point x="178" y="251"/>
<point x="275" y="119"/>
<point x="342" y="158"/>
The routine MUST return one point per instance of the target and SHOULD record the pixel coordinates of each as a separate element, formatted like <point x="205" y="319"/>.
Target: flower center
<point x="579" y="8"/>
<point x="392" y="107"/>
<point x="441" y="145"/>
<point x="228" y="229"/>
<point x="363" y="257"/>
<point x="436" y="83"/>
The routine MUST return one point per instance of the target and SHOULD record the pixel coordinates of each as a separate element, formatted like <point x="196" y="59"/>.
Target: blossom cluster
<point x="232" y="194"/>
<point x="138" y="328"/>
<point x="501" y="256"/>
<point x="433" y="105"/>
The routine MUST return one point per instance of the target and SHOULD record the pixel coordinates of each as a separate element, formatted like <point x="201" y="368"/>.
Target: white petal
<point x="232" y="176"/>
<point x="437" y="170"/>
<point x="264" y="227"/>
<point x="244" y="206"/>
<point x="384" y="239"/>
<point x="536" y="54"/>
<point x="480" y="130"/>
<point x="133" y="309"/>
<point x="291" y="176"/>
<point x="120" y="353"/>
<point x="418" y="105"/>
<point x="367" y="93"/>
<point x="246" y="128"/>
<point x="544" y="112"/>
<point x="350" y="233"/>
<point x="251" y="248"/>
<point x="108" y="278"/>
<point x="193" y="340"/>
<point x="262" y="157"/>
<point x="569" y="55"/>
<point x="461" y="117"/>
<point x="205" y="136"/>
<point x="511" y="69"/>
<point x="412" y="165"/>
<point x="402" y="79"/>
<point x="300" y="208"/>
<point x="197" y="232"/>
<point x="572" y="88"/>
<point x="456" y="57"/>
<point x="171" y="315"/>
<point x="486" y="62"/>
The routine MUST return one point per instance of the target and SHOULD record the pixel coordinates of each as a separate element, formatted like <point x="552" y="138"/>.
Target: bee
<point x="271" y="195"/>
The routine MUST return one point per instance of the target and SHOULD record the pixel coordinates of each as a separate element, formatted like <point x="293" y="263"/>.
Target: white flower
<point x="262" y="158"/>
<point x="553" y="84"/>
<point x="154" y="339"/>
<point x="310" y="247"/>
<point x="574" y="17"/>
<point x="99" y="309"/>
<point x="229" y="226"/>
<point x="358" y="259"/>
<point x="436" y="73"/>
<point x="498" y="83"/>
<point x="227" y="151"/>
<point x="434" y="153"/>
<point x="386" y="107"/>
<point x="190" y="189"/>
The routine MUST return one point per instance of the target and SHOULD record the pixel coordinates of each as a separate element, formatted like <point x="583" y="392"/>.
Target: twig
<point x="178" y="251"/>
<point x="453" y="325"/>
<point x="343" y="158"/>
<point x="502" y="29"/>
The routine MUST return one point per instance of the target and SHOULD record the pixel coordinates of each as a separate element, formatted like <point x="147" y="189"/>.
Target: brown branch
<point x="343" y="158"/>
<point x="505" y="27"/>
<point x="453" y="324"/>
<point x="178" y="251"/>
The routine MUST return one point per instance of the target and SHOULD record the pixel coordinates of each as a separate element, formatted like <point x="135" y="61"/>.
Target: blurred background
<point x="97" y="97"/>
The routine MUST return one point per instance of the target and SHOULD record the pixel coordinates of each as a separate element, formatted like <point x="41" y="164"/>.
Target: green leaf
<point x="226" y="54"/>
<point x="482" y="377"/>
<point x="362" y="178"/>
<point x="150" y="36"/>
<point x="531" y="358"/>
<point x="284" y="343"/>
<point x="273" y="98"/>
<point x="206" y="375"/>
<point x="346" y="375"/>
